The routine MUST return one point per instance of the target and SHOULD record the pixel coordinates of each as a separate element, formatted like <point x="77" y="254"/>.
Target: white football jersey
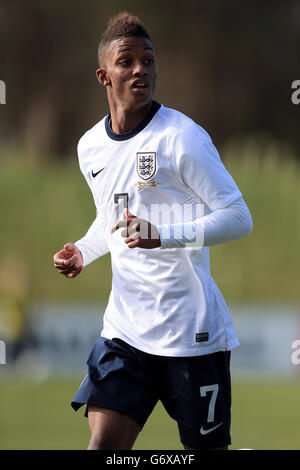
<point x="163" y="301"/>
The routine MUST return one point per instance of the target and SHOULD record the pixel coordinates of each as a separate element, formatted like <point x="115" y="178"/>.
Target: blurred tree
<point x="227" y="64"/>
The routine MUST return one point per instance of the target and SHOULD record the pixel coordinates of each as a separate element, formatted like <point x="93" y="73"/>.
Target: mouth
<point x="139" y="85"/>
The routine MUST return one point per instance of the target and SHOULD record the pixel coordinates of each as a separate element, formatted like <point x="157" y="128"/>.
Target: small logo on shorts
<point x="207" y="431"/>
<point x="200" y="337"/>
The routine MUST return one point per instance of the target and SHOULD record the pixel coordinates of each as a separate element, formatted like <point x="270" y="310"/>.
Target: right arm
<point x="93" y="244"/>
<point x="71" y="260"/>
<point x="74" y="256"/>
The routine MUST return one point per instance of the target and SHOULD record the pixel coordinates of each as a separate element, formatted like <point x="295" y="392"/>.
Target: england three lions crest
<point x="146" y="164"/>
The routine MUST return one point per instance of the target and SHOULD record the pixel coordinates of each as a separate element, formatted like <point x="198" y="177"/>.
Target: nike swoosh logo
<point x="97" y="172"/>
<point x="207" y="431"/>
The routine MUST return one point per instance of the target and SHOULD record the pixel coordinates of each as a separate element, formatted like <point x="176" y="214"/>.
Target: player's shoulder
<point x="91" y="137"/>
<point x="181" y="125"/>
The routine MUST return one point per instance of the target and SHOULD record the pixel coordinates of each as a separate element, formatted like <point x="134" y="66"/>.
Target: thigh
<point x="111" y="430"/>
<point x="117" y="380"/>
<point x="197" y="394"/>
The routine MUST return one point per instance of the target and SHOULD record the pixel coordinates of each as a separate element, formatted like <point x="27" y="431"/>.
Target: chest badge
<point x="146" y="164"/>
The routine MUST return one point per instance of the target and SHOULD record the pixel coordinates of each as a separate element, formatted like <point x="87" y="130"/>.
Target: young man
<point x="167" y="333"/>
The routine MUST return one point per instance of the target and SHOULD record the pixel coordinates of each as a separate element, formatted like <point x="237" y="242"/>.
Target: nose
<point x="139" y="68"/>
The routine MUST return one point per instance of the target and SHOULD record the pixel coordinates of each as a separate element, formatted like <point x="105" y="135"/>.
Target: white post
<point x="2" y="352"/>
<point x="2" y="92"/>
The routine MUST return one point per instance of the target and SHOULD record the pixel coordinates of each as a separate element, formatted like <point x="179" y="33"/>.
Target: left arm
<point x="199" y="166"/>
<point x="220" y="226"/>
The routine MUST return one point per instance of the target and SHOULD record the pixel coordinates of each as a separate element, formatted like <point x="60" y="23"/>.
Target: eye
<point x="149" y="61"/>
<point x="124" y="62"/>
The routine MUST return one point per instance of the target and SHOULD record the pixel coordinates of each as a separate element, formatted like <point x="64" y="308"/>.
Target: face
<point x="129" y="71"/>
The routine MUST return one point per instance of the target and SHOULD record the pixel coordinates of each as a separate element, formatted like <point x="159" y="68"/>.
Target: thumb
<point x="129" y="216"/>
<point x="69" y="246"/>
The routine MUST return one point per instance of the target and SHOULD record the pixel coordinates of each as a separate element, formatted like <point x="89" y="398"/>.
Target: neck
<point x="126" y="119"/>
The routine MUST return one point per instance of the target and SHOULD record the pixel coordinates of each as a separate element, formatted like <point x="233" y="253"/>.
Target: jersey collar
<point x="128" y="135"/>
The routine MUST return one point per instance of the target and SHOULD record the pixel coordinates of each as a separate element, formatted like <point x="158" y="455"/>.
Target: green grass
<point x="44" y="205"/>
<point x="264" y="265"/>
<point x="38" y="416"/>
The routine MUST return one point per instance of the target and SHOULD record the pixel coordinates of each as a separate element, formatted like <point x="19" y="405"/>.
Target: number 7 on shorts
<point x="211" y="408"/>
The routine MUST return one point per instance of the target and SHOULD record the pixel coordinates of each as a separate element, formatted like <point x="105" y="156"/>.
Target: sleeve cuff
<point x="180" y="235"/>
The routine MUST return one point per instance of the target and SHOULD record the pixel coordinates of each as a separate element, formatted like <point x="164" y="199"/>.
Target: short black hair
<point x="121" y="25"/>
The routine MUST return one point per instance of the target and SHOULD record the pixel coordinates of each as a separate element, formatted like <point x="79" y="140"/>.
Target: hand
<point x="69" y="261"/>
<point x="138" y="232"/>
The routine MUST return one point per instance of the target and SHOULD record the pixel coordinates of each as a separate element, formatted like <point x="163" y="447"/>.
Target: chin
<point x="140" y="100"/>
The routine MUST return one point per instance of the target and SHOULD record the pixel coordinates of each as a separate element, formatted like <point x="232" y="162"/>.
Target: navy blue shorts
<point x="195" y="391"/>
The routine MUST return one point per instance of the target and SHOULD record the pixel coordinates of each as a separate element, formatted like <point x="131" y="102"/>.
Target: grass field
<point x="38" y="416"/>
<point x="44" y="205"/>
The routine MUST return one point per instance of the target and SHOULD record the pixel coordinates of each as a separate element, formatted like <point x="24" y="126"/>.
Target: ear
<point x="103" y="77"/>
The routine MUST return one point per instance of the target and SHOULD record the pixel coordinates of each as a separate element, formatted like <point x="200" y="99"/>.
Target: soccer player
<point x="163" y="196"/>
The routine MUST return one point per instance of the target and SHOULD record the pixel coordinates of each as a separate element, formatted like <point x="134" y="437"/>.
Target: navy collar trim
<point x="128" y="135"/>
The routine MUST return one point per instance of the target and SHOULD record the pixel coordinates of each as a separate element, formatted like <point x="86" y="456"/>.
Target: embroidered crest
<point x="146" y="164"/>
<point x="141" y="184"/>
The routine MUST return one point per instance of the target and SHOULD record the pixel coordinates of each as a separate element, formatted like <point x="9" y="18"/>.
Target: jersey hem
<point x="174" y="352"/>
